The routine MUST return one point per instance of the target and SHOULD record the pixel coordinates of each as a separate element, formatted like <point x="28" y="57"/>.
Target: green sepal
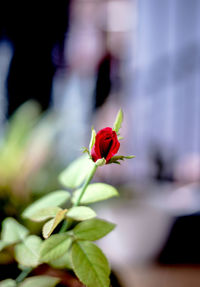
<point x="120" y="138"/>
<point x="85" y="150"/>
<point x="92" y="140"/>
<point x="116" y="158"/>
<point x="118" y="121"/>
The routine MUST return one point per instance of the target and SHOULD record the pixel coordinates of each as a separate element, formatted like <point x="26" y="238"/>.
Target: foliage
<point x="26" y="144"/>
<point x="69" y="227"/>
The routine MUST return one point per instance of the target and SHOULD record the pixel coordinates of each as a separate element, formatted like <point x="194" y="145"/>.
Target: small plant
<point x="26" y="144"/>
<point x="68" y="232"/>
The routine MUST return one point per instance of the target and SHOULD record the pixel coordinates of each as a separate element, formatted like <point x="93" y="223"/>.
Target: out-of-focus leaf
<point x="52" y="199"/>
<point x="49" y="226"/>
<point x="40" y="281"/>
<point x="95" y="192"/>
<point x="45" y="213"/>
<point x="8" y="283"/>
<point x="27" y="252"/>
<point x="54" y="247"/>
<point x="74" y="175"/>
<point x="3" y="245"/>
<point x="12" y="231"/>
<point x="62" y="262"/>
<point x="81" y="213"/>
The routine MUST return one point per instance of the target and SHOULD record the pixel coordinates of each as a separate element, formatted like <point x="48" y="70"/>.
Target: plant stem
<point x="85" y="185"/>
<point x="23" y="274"/>
<point x="64" y="227"/>
<point x="66" y="224"/>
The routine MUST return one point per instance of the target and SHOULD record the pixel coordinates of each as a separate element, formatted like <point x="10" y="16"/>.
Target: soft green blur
<point x="28" y="166"/>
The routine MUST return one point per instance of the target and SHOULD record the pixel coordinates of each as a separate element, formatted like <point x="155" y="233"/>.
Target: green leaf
<point x="74" y="175"/>
<point x="3" y="245"/>
<point x="49" y="226"/>
<point x="118" y="121"/>
<point x="52" y="199"/>
<point x="54" y="247"/>
<point x="90" y="264"/>
<point x="40" y="281"/>
<point x="92" y="140"/>
<point x="95" y="192"/>
<point x="80" y="213"/>
<point x="27" y="252"/>
<point x="45" y="213"/>
<point x="12" y="231"/>
<point x="63" y="262"/>
<point x="21" y="124"/>
<point x="8" y="283"/>
<point x="93" y="229"/>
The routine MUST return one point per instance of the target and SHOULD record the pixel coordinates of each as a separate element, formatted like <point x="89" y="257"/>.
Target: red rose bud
<point x="106" y="145"/>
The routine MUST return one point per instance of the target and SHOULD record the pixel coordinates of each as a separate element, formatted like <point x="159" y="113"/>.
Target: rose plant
<point x="70" y="226"/>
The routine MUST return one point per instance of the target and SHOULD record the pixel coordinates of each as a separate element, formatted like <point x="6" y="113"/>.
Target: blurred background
<point x="69" y="65"/>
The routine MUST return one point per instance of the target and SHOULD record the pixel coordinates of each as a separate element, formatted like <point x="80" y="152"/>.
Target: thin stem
<point x="67" y="224"/>
<point x="23" y="274"/>
<point x="63" y="227"/>
<point x="85" y="185"/>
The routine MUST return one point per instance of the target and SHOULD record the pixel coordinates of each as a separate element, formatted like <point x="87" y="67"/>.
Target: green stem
<point x="67" y="224"/>
<point x="64" y="227"/>
<point x="23" y="275"/>
<point x="85" y="185"/>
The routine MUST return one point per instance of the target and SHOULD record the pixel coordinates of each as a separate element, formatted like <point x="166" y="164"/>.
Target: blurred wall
<point x="165" y="84"/>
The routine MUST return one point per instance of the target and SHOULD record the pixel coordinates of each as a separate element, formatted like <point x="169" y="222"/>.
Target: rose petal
<point x="106" y="145"/>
